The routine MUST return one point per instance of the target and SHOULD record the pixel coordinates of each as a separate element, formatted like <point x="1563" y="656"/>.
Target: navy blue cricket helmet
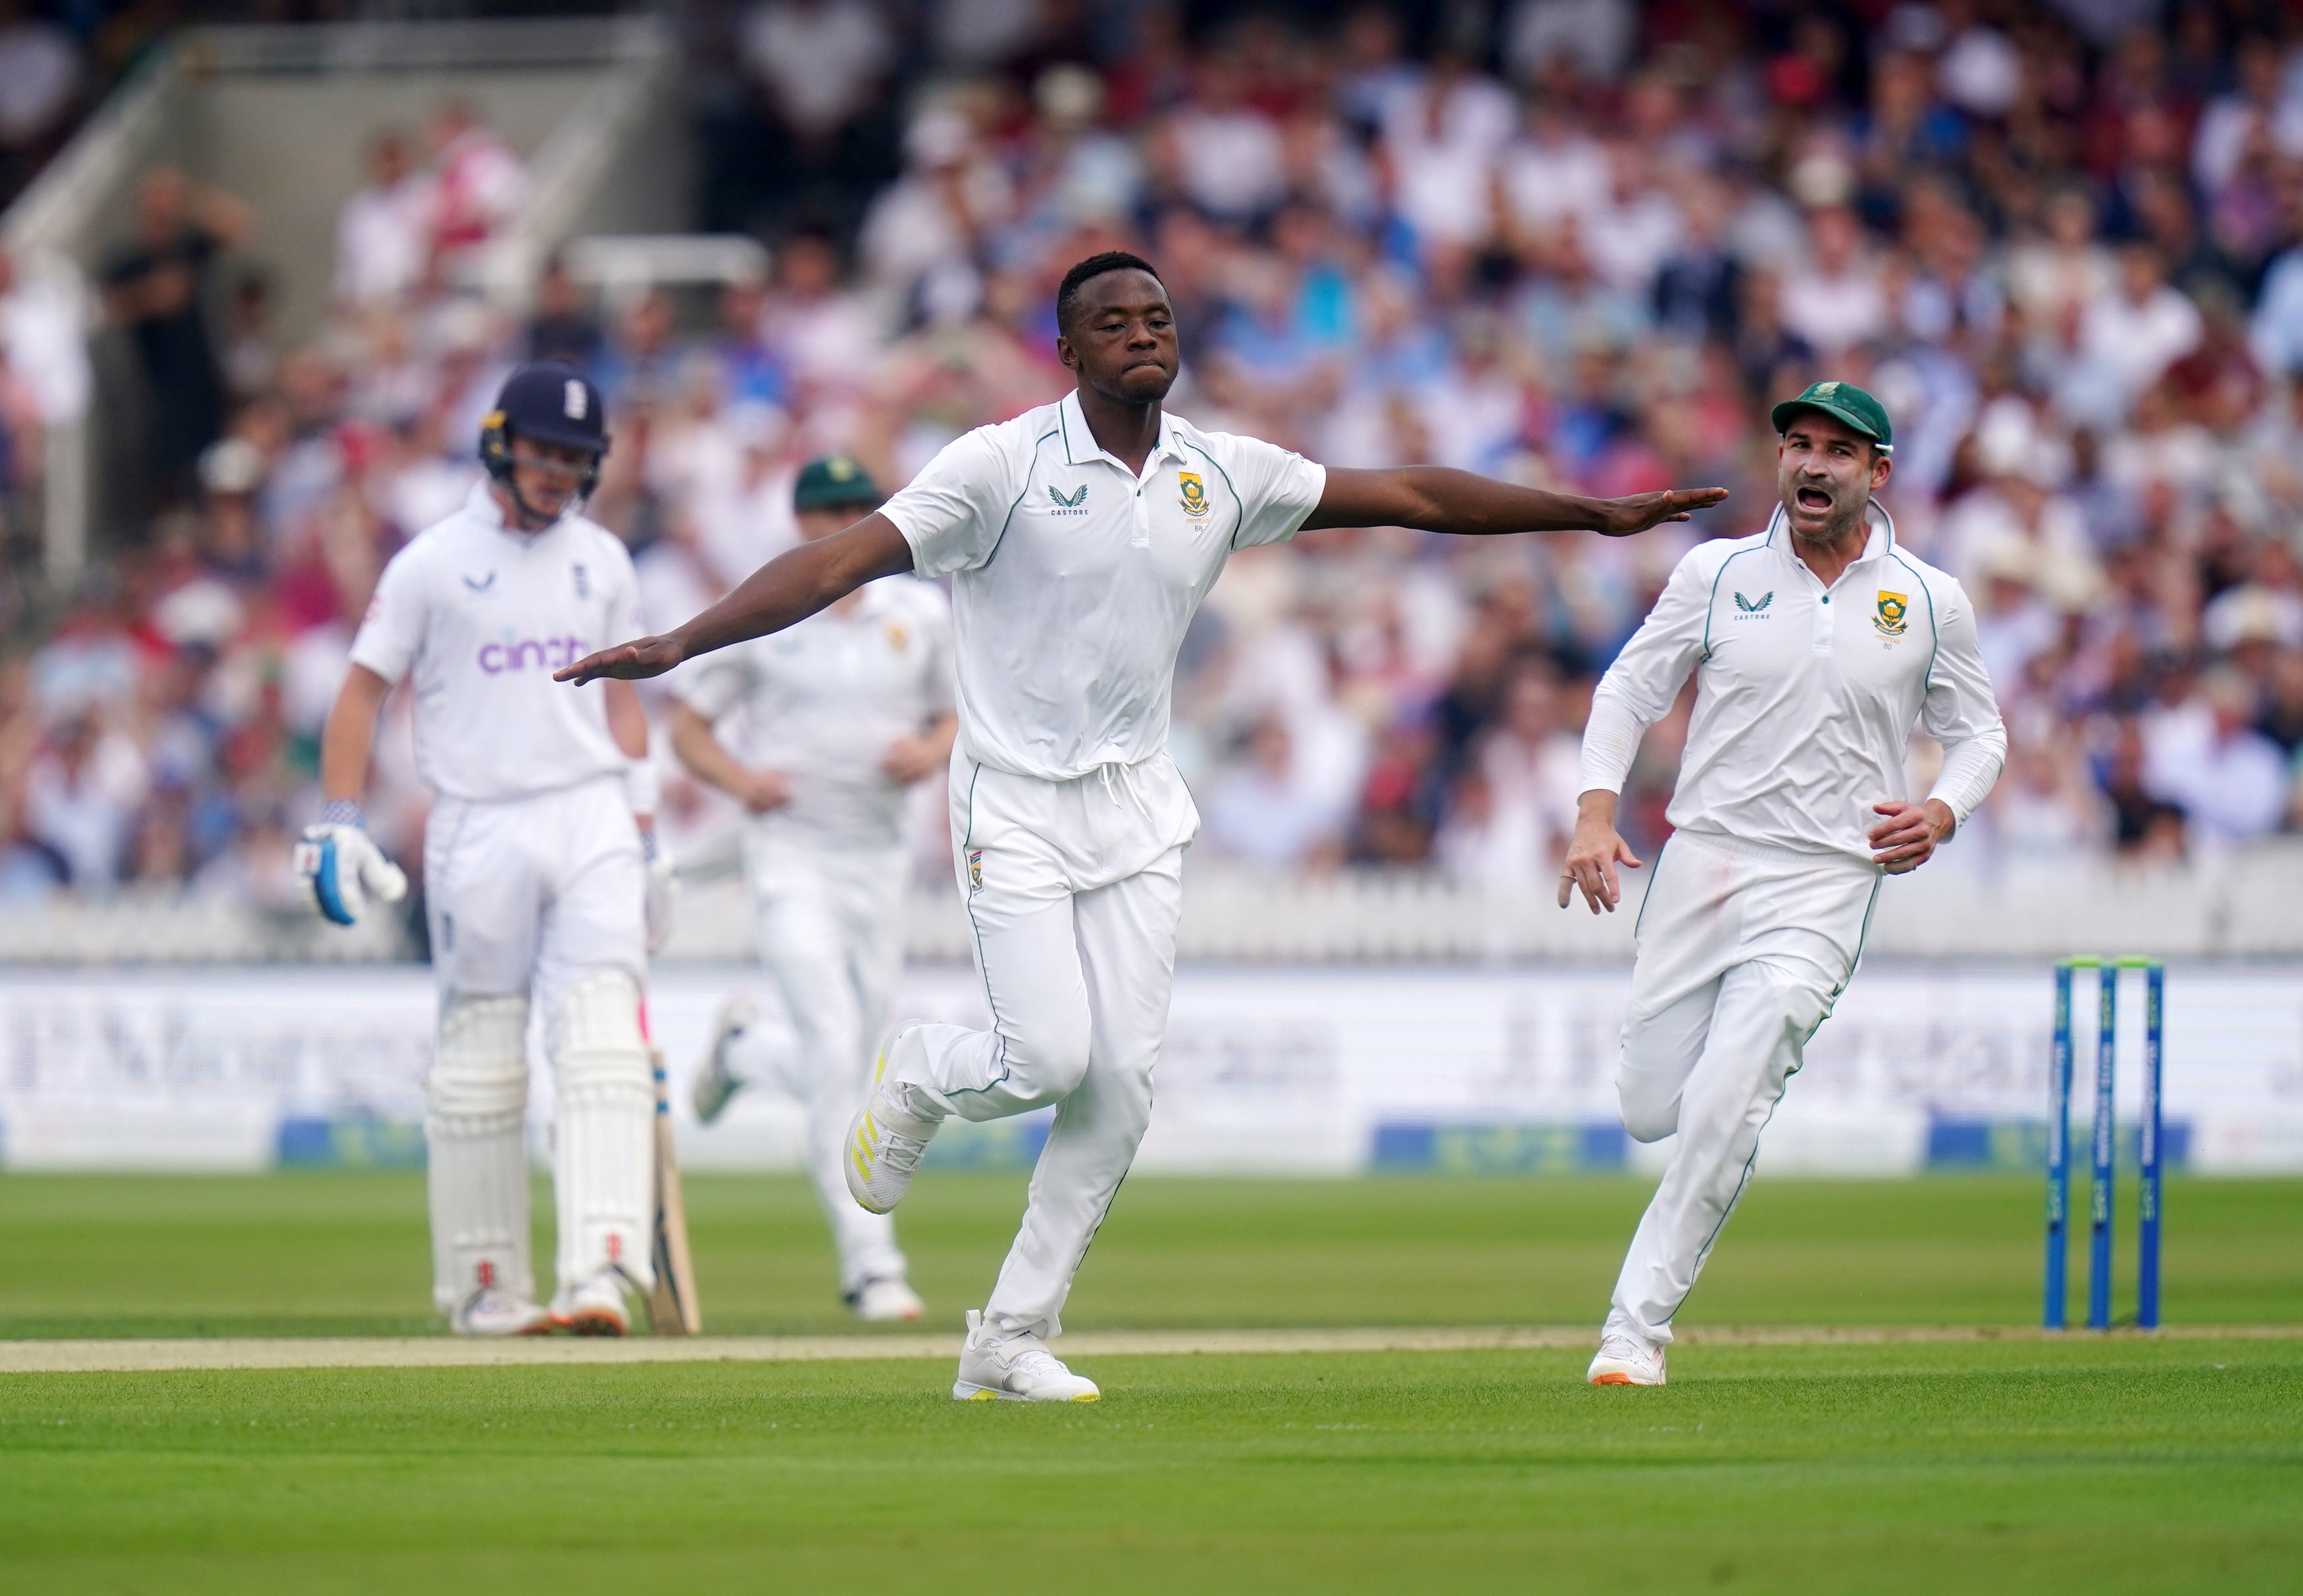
<point x="546" y="402"/>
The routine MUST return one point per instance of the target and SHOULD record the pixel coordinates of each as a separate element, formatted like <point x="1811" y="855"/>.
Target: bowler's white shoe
<point x="594" y="1306"/>
<point x="890" y="1297"/>
<point x="713" y="1083"/>
<point x="492" y="1312"/>
<point x="1623" y="1361"/>
<point x="1015" y="1368"/>
<point x="887" y="1139"/>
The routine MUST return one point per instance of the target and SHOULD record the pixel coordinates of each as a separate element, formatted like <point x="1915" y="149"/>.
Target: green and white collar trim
<point x="1878" y="546"/>
<point x="1081" y="448"/>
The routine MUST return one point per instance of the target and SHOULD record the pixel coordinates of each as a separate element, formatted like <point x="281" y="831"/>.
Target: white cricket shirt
<point x="1077" y="577"/>
<point x="1805" y="697"/>
<point x="824" y="700"/>
<point x="480" y="615"/>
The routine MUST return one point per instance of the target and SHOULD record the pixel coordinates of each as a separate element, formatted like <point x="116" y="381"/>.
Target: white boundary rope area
<point x="101" y="1356"/>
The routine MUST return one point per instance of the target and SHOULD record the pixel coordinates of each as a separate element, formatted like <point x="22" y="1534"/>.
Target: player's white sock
<point x="476" y="1144"/>
<point x="603" y="1158"/>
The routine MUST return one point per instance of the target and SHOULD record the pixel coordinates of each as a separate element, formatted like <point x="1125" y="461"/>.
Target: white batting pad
<point x="604" y="1149"/>
<point x="477" y="1163"/>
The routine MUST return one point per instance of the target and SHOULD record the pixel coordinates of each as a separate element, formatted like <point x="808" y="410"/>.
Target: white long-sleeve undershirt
<point x="1806" y="697"/>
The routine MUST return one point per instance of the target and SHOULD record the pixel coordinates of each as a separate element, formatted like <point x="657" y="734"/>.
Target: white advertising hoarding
<point x="1267" y="1070"/>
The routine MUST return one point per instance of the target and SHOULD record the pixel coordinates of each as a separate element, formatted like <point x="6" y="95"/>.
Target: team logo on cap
<point x="1894" y="609"/>
<point x="575" y="400"/>
<point x="1195" y="493"/>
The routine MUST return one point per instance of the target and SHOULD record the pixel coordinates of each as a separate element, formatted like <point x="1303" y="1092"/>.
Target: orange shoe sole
<point x="594" y="1324"/>
<point x="1612" y="1380"/>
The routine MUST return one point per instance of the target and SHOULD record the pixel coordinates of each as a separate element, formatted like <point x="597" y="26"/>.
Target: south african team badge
<point x="976" y="870"/>
<point x="1195" y="493"/>
<point x="1893" y="610"/>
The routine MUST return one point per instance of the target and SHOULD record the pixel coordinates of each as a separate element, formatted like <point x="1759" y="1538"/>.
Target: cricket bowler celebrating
<point x="842" y="715"/>
<point x="1818" y="645"/>
<point x="1082" y="536"/>
<point x="539" y="884"/>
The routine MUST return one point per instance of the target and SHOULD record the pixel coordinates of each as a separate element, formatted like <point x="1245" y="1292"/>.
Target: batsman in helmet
<point x="543" y="892"/>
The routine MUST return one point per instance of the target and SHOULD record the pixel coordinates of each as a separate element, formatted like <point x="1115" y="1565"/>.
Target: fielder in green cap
<point x="841" y="716"/>
<point x="836" y="484"/>
<point x="1818" y="646"/>
<point x="1842" y="402"/>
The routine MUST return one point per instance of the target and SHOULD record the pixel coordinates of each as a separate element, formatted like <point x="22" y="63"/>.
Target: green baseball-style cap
<point x="833" y="483"/>
<point x="1842" y="402"/>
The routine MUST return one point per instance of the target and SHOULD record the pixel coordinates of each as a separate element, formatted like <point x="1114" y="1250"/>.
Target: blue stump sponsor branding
<point x="2020" y="1146"/>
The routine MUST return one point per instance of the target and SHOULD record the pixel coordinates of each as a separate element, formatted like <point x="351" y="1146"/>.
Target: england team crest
<point x="1894" y="608"/>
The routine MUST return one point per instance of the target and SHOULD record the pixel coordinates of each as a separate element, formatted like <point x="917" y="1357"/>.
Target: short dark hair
<point x="1088" y="270"/>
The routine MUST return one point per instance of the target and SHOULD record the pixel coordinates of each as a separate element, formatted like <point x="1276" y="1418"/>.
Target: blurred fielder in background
<point x="541" y="884"/>
<point x="1082" y="536"/>
<point x="842" y="714"/>
<point x="1818" y="645"/>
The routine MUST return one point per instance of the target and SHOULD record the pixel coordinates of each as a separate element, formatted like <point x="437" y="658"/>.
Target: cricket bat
<point x="671" y="1308"/>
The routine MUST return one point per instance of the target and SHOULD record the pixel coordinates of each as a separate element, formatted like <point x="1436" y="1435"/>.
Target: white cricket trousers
<point x="537" y="906"/>
<point x="831" y="939"/>
<point x="1073" y="889"/>
<point x="1742" y="950"/>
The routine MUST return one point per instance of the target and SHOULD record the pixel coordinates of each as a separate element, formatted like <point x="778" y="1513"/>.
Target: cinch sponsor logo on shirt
<point x="531" y="653"/>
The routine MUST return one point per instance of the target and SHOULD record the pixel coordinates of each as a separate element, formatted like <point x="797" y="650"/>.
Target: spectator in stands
<point x="2207" y="758"/>
<point x="384" y="233"/>
<point x="477" y="184"/>
<point x="826" y="140"/>
<point x="2131" y="332"/>
<point x="1220" y="151"/>
<point x="157" y="288"/>
<point x="564" y="325"/>
<point x="1277" y="808"/>
<point x="821" y="61"/>
<point x="82" y="797"/>
<point x="2276" y="335"/>
<point x="44" y="338"/>
<point x="1834" y="298"/>
<point x="2072" y="265"/>
<point x="825" y="335"/>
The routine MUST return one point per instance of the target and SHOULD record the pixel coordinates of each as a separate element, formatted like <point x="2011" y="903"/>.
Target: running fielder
<point x="539" y="881"/>
<point x="842" y="715"/>
<point x="1818" y="645"/>
<point x="1082" y="536"/>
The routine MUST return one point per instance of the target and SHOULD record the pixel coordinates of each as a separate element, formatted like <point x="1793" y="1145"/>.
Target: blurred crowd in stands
<point x="1572" y="242"/>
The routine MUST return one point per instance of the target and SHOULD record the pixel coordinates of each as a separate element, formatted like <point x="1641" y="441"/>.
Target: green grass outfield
<point x="2087" y="1463"/>
<point x="346" y="1254"/>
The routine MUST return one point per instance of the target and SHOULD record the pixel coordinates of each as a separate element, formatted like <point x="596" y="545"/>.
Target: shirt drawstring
<point x="1127" y="781"/>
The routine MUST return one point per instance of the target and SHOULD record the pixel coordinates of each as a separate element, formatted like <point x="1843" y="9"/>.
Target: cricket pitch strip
<point x="106" y="1356"/>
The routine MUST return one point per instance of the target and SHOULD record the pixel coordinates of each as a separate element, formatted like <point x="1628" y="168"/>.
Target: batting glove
<point x="342" y="869"/>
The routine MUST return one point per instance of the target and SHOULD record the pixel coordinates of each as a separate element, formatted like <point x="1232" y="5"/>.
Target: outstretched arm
<point x="787" y="589"/>
<point x="1437" y="499"/>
